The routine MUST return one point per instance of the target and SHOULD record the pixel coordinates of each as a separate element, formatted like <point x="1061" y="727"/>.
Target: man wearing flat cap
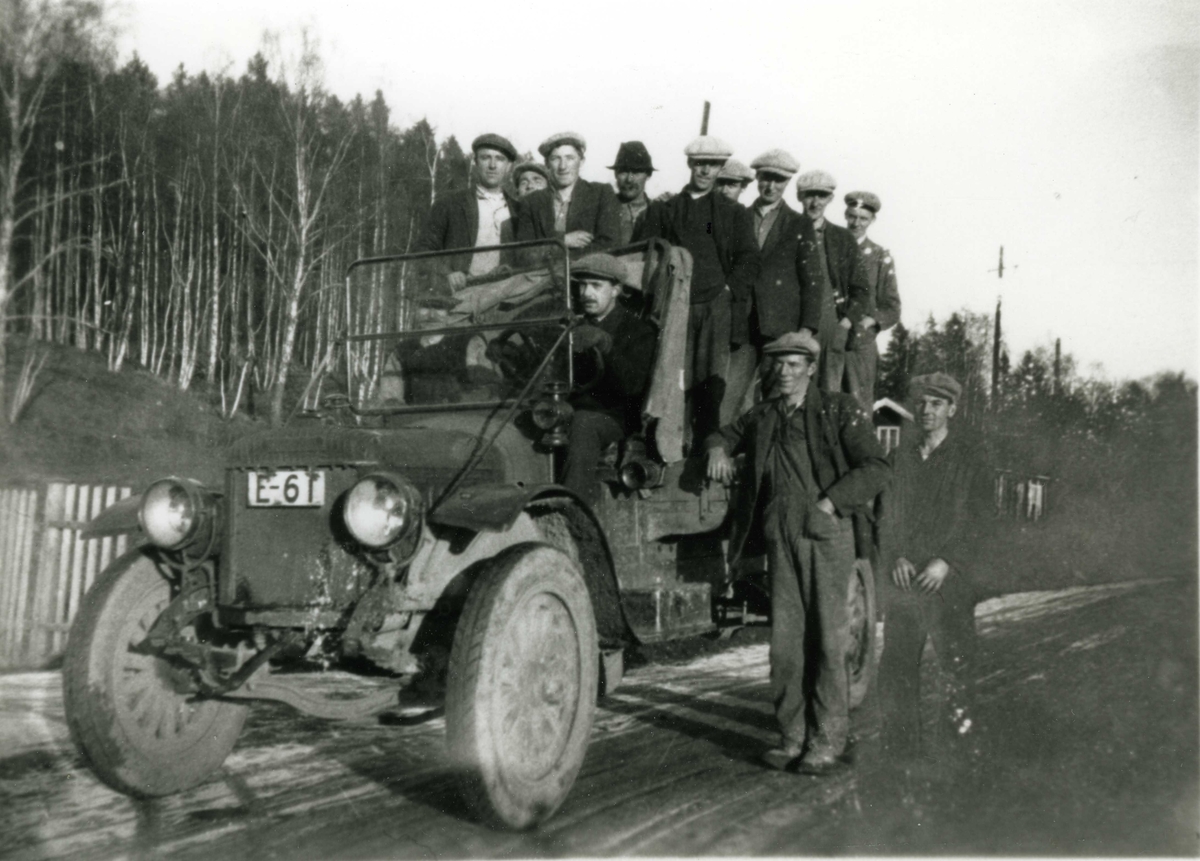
<point x="733" y="179"/>
<point x="476" y="217"/>
<point x="618" y="346"/>
<point x="720" y="238"/>
<point x="784" y="297"/>
<point x="812" y="460"/>
<point x="883" y="298"/>
<point x="831" y="257"/>
<point x="929" y="518"/>
<point x="631" y="169"/>
<point x="583" y="213"/>
<point x="528" y="177"/>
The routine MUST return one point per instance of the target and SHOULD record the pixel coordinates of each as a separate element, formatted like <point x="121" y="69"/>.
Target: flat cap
<point x="573" y="138"/>
<point x="794" y="342"/>
<point x="709" y="148"/>
<point x="734" y="171"/>
<point x="939" y="384"/>
<point x="600" y="266"/>
<point x="496" y="142"/>
<point x="776" y="161"/>
<point x="815" y="180"/>
<point x="863" y="200"/>
<point x="527" y="166"/>
<point x="634" y="157"/>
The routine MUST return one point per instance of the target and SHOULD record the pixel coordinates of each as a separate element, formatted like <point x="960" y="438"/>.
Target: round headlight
<point x="380" y="509"/>
<point x="170" y="513"/>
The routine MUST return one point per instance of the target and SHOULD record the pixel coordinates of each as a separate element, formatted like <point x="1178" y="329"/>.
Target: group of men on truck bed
<point x="780" y="365"/>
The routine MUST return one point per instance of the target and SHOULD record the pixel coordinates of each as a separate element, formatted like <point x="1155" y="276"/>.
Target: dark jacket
<point x="933" y="507"/>
<point x="593" y="208"/>
<point x="627" y="365"/>
<point x="848" y="462"/>
<point x="454" y="223"/>
<point x="785" y="297"/>
<point x="737" y="249"/>
<point x="849" y="293"/>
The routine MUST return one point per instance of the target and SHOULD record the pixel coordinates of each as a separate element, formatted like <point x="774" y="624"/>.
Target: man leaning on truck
<point x="813" y="460"/>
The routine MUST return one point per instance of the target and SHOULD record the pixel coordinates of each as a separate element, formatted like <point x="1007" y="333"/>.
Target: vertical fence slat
<point x="11" y="574"/>
<point x="61" y="606"/>
<point x="7" y="586"/>
<point x="42" y="642"/>
<point x="26" y="505"/>
<point x="77" y="552"/>
<point x="93" y="544"/>
<point x="106" y="543"/>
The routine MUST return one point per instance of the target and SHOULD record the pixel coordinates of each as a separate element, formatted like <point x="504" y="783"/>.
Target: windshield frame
<point x="566" y="321"/>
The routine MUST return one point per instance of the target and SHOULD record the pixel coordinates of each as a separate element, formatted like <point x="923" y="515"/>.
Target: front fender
<point x="117" y="519"/>
<point x="493" y="507"/>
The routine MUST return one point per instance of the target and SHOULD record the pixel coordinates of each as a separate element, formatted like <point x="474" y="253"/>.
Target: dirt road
<point x="1088" y="746"/>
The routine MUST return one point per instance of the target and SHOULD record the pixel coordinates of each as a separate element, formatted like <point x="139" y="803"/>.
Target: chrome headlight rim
<point x="381" y="509"/>
<point x="192" y="507"/>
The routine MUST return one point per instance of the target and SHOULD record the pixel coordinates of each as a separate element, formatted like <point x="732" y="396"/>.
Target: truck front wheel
<point x="133" y="714"/>
<point x="522" y="686"/>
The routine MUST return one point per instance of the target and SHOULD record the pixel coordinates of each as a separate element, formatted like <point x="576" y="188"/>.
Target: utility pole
<point x="704" y="119"/>
<point x="1057" y="367"/>
<point x="996" y="358"/>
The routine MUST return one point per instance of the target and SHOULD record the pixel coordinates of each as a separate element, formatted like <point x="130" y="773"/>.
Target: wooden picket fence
<point x="46" y="566"/>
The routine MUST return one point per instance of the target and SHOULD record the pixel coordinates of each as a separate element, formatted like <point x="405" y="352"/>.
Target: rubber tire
<point x="862" y="657"/>
<point x="504" y="783"/>
<point x="101" y="677"/>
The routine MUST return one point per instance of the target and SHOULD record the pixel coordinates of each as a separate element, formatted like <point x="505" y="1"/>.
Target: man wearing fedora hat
<point x="583" y="213"/>
<point x="475" y="217"/>
<point x="718" y="235"/>
<point x="619" y="347"/>
<point x="632" y="169"/>
<point x="882" y="310"/>
<point x="930" y="518"/>
<point x="812" y="460"/>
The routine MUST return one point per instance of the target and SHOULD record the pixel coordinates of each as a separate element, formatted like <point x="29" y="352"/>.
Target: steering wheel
<point x="518" y="352"/>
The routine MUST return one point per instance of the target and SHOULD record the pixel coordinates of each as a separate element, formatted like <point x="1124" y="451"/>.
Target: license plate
<point x="287" y="488"/>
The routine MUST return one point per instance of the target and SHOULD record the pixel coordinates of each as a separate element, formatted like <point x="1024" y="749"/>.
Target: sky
<point x="1067" y="131"/>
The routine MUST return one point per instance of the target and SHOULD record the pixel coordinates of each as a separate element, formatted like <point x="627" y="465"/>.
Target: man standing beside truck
<point x="927" y="527"/>
<point x="813" y="461"/>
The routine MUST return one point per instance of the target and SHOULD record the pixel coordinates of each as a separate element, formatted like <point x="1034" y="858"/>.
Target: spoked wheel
<point x="130" y="712"/>
<point x="860" y="649"/>
<point x="522" y="686"/>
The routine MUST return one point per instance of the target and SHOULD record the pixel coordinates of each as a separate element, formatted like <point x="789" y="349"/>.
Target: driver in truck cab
<point x="615" y="349"/>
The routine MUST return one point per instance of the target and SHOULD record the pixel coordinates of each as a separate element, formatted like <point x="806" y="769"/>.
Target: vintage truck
<point x="411" y="530"/>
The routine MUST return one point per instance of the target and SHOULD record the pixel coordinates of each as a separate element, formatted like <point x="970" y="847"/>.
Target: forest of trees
<point x="200" y="229"/>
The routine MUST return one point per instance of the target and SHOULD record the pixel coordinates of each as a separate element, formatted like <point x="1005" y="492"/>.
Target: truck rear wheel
<point x="522" y="686"/>
<point x="131" y="713"/>
<point x="860" y="650"/>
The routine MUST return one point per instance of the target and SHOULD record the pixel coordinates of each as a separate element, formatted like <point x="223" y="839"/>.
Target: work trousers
<point x="831" y="366"/>
<point x="861" y="365"/>
<point x="707" y="361"/>
<point x="810" y="556"/>
<point x="947" y="617"/>
<point x="591" y="433"/>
